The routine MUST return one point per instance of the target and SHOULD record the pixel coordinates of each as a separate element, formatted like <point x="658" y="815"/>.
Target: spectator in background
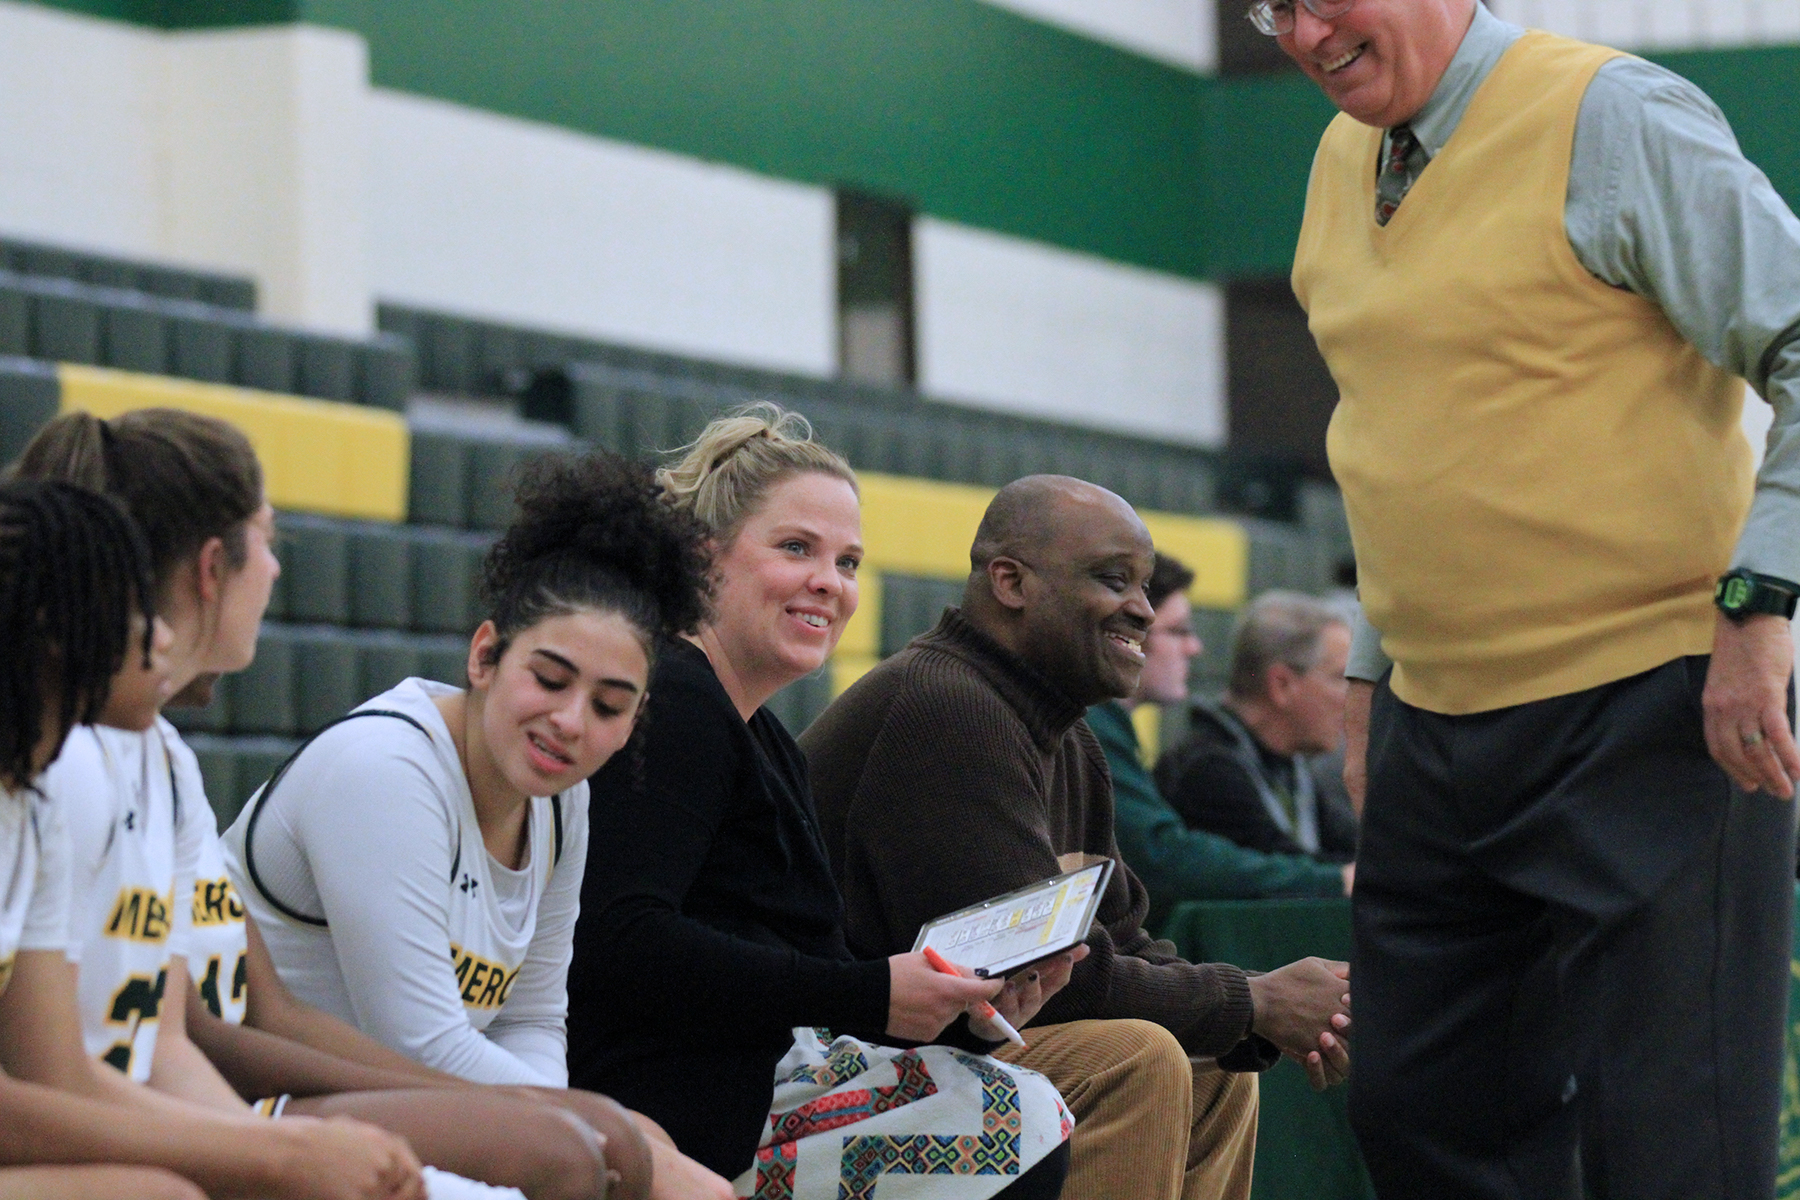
<point x="1177" y="863"/>
<point x="1242" y="771"/>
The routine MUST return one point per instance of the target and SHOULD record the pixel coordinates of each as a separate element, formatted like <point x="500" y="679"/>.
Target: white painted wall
<point x="502" y="218"/>
<point x="1182" y="32"/>
<point x="237" y="150"/>
<point x="1661" y="24"/>
<point x="79" y="130"/>
<point x="264" y="147"/>
<point x="1016" y="325"/>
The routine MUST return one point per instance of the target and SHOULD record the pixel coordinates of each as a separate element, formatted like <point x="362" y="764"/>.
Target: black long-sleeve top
<point x="1203" y="779"/>
<point x="710" y="923"/>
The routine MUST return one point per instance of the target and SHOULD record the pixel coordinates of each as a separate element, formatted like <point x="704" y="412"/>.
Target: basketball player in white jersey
<point x="157" y="898"/>
<point x="72" y="569"/>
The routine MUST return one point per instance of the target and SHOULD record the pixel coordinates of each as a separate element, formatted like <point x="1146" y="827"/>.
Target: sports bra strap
<point x="556" y="820"/>
<point x="268" y="789"/>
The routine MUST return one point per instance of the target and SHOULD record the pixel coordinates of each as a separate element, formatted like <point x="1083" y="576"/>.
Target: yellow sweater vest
<point x="1543" y="478"/>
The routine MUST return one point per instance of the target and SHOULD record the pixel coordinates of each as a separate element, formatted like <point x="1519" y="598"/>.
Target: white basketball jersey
<point x="217" y="946"/>
<point x="34" y="878"/>
<point x="364" y="868"/>
<point x="135" y="814"/>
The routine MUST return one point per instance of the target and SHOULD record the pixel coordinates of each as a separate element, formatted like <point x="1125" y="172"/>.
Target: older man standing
<point x="1539" y="272"/>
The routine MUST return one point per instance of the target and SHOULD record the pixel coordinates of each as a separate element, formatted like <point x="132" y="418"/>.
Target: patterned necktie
<point x="1400" y="168"/>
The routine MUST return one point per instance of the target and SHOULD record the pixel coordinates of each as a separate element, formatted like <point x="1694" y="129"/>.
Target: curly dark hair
<point x="73" y="569"/>
<point x="593" y="532"/>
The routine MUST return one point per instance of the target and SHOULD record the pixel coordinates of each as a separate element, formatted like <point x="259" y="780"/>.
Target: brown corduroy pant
<point x="1151" y="1124"/>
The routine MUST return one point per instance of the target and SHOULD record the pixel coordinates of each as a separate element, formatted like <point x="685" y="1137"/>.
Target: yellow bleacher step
<point x="924" y="527"/>
<point x="318" y="456"/>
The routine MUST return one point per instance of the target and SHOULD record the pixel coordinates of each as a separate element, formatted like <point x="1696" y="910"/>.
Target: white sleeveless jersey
<point x="368" y="879"/>
<point x="218" y="949"/>
<point x="34" y="877"/>
<point x="136" y="815"/>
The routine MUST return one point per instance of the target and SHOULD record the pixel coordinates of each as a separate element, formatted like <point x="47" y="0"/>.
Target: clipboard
<point x="1018" y="928"/>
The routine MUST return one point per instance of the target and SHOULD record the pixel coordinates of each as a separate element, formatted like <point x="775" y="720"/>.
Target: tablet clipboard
<point x="1021" y="927"/>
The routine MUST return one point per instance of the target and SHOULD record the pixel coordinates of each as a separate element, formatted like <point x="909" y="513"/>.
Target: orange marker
<point x="982" y="1009"/>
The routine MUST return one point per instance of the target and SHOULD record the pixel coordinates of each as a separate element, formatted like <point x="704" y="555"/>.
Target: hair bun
<point x="598" y="512"/>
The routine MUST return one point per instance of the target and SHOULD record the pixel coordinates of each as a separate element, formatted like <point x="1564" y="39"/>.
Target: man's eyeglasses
<point x="1276" y="17"/>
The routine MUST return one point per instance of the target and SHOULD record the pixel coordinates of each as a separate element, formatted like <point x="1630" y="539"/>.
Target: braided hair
<point x="73" y="570"/>
<point x="593" y="532"/>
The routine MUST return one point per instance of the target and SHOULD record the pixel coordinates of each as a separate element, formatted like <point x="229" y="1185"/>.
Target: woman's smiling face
<point x="787" y="581"/>
<point x="562" y="698"/>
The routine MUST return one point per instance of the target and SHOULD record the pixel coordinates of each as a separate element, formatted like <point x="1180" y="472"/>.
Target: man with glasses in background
<point x="1175" y="862"/>
<point x="1244" y="770"/>
<point x="1540" y="272"/>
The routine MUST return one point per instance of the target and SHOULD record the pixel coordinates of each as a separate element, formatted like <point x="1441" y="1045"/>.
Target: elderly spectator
<point x="1242" y="772"/>
<point x="1541" y="273"/>
<point x="1177" y="863"/>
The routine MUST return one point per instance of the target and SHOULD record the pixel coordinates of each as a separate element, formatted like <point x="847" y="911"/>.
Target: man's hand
<point x="1304" y="1008"/>
<point x="341" y="1159"/>
<point x="1745" y="703"/>
<point x="1356" y="744"/>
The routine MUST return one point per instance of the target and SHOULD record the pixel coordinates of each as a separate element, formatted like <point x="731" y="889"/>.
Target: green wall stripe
<point x="970" y="112"/>
<point x="1261" y="131"/>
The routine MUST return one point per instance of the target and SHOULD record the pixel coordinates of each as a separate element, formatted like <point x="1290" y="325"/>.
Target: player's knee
<point x="628" y="1157"/>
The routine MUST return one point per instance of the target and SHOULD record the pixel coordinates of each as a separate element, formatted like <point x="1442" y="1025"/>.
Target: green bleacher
<point x="193" y="325"/>
<point x="137" y="275"/>
<point x="363" y="604"/>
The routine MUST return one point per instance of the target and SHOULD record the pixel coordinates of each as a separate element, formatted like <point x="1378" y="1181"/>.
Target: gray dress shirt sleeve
<point x="1663" y="203"/>
<point x="1666" y="205"/>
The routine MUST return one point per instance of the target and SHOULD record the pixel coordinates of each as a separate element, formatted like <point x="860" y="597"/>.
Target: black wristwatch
<point x="1743" y="592"/>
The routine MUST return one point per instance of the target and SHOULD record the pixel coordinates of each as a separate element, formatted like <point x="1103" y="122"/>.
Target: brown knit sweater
<point x="953" y="772"/>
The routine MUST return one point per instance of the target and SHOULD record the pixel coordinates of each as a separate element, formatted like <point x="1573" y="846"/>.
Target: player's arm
<point x="179" y="1068"/>
<point x="60" y="1106"/>
<point x="272" y="1011"/>
<point x="258" y="1064"/>
<point x="533" y="1023"/>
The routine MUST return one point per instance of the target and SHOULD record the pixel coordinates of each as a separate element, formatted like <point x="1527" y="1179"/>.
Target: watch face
<point x="1734" y="593"/>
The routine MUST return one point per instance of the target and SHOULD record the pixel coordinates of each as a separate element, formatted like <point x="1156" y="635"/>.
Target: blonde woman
<point x="710" y="944"/>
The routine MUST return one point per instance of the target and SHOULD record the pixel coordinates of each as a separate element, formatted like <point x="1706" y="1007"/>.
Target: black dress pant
<point x="1572" y="947"/>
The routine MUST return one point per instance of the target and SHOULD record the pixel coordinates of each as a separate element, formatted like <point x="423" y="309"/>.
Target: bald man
<point x="962" y="767"/>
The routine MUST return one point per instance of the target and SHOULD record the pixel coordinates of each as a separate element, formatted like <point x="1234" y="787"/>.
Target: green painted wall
<point x="971" y="112"/>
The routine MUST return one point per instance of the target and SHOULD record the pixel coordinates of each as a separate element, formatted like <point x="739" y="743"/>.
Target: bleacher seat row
<point x="638" y="401"/>
<point x="107" y="270"/>
<point x="383" y="519"/>
<point x="63" y="320"/>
